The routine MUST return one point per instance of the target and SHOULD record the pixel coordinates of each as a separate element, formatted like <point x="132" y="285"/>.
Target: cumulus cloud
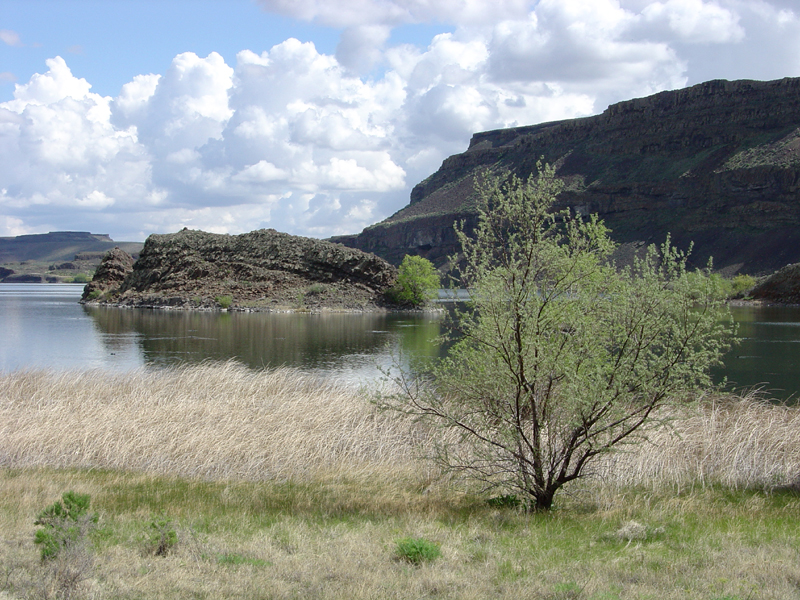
<point x="305" y="142"/>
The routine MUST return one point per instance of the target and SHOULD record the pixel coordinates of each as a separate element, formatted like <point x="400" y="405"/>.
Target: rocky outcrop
<point x="260" y="270"/>
<point x="716" y="164"/>
<point x="782" y="287"/>
<point x="110" y="274"/>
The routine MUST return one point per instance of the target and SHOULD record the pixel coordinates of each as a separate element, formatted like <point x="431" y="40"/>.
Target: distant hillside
<point x="59" y="246"/>
<point x="717" y="164"/>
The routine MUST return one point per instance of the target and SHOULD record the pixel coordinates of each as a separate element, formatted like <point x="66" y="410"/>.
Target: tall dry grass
<point x="223" y="421"/>
<point x="217" y="421"/>
<point x="736" y="441"/>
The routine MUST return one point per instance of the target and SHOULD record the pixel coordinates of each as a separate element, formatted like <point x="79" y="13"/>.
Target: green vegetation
<point x="416" y="550"/>
<point x="316" y="289"/>
<point x="417" y="282"/>
<point x="327" y="541"/>
<point x="741" y="284"/>
<point x="82" y="278"/>
<point x="162" y="536"/>
<point x="224" y="301"/>
<point x="561" y="356"/>
<point x="63" y="524"/>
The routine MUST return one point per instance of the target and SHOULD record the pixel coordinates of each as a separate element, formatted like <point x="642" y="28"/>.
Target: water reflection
<point x="345" y="343"/>
<point x="43" y="325"/>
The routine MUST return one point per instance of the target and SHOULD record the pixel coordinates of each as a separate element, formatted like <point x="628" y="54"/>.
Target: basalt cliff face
<point x="716" y="164"/>
<point x="260" y="270"/>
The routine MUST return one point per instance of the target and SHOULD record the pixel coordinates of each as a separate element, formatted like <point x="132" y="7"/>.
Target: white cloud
<point x="10" y="38"/>
<point x="361" y="47"/>
<point x="296" y="139"/>
<point x="695" y="21"/>
<point x="349" y="13"/>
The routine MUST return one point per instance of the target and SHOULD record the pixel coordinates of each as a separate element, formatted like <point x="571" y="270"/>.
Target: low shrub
<point x="316" y="289"/>
<point x="64" y="524"/>
<point x="416" y="550"/>
<point x="162" y="536"/>
<point x="741" y="284"/>
<point x="224" y="301"/>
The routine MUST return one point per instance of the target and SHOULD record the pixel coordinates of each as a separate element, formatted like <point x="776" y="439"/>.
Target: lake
<point x="43" y="325"/>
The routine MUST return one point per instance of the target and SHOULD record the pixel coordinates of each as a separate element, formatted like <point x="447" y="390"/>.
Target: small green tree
<point x="560" y="356"/>
<point x="64" y="524"/>
<point x="417" y="282"/>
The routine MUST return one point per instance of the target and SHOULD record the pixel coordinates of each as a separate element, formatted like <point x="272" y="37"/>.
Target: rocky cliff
<point x="717" y="164"/>
<point x="58" y="246"/>
<point x="262" y="270"/>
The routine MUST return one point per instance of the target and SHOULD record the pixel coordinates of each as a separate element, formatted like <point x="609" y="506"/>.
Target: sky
<point x="317" y="117"/>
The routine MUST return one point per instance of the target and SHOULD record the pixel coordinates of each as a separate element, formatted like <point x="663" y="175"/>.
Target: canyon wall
<point x="716" y="165"/>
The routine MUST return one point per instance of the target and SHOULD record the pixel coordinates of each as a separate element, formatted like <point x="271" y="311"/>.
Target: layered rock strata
<point x="716" y="164"/>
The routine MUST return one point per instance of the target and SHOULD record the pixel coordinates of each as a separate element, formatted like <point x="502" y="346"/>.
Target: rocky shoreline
<point x="260" y="271"/>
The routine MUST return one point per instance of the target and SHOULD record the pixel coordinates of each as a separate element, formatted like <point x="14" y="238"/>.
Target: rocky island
<point x="260" y="270"/>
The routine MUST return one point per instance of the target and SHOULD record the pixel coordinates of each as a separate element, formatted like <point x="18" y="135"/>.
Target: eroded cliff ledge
<point x="717" y="164"/>
<point x="260" y="270"/>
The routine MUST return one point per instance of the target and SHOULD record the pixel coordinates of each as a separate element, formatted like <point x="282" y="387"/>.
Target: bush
<point x="316" y="289"/>
<point x="741" y="284"/>
<point x="81" y="278"/>
<point x="224" y="301"/>
<point x="162" y="536"/>
<point x="64" y="524"/>
<point x="416" y="550"/>
<point x="417" y="282"/>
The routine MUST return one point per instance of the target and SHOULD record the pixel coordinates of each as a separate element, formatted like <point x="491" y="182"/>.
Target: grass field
<point x="279" y="485"/>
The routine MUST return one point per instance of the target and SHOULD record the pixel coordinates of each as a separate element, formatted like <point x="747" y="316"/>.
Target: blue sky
<point x="317" y="117"/>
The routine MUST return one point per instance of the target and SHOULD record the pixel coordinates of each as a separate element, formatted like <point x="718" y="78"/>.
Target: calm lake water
<point x="43" y="325"/>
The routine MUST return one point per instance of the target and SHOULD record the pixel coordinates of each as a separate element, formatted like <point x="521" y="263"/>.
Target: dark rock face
<point x="261" y="270"/>
<point x="782" y="287"/>
<point x="23" y="278"/>
<point x="114" y="268"/>
<point x="717" y="164"/>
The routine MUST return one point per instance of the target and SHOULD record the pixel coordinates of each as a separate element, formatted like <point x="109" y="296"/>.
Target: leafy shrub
<point x="81" y="278"/>
<point x="506" y="501"/>
<point x="163" y="537"/>
<point x="94" y="294"/>
<point x="416" y="550"/>
<point x="64" y="524"/>
<point x="316" y="288"/>
<point x="741" y="284"/>
<point x="417" y="282"/>
<point x="224" y="301"/>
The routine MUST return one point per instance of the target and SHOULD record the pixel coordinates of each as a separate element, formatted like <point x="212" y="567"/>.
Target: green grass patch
<point x="326" y="539"/>
<point x="416" y="550"/>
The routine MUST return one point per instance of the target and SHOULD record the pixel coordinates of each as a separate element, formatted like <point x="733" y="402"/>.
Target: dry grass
<point x="281" y="485"/>
<point x="738" y="442"/>
<point x="215" y="421"/>
<point x="224" y="422"/>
